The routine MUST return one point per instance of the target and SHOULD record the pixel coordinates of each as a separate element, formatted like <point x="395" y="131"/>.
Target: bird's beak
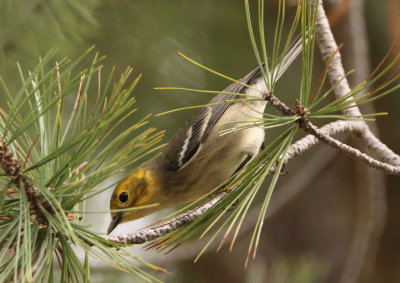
<point x="114" y="222"/>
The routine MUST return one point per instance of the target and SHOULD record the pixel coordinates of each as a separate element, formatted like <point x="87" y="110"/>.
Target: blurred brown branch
<point x="371" y="203"/>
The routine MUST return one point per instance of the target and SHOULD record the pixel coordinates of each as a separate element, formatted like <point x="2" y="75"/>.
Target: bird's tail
<point x="292" y="52"/>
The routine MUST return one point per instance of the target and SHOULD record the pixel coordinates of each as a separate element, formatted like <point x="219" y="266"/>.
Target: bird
<point x="198" y="158"/>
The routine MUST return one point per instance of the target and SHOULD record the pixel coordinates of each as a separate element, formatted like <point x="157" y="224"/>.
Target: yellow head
<point x="136" y="190"/>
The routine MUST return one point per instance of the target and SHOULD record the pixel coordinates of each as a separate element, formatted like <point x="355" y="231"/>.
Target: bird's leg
<point x="244" y="162"/>
<point x="262" y="147"/>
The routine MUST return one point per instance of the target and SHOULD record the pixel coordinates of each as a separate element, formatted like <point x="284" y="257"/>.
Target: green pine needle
<point x="64" y="156"/>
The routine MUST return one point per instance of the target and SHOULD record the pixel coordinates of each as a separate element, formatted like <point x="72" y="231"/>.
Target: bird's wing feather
<point x="187" y="141"/>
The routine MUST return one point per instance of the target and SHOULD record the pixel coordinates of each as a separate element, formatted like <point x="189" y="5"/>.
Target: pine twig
<point x="336" y="75"/>
<point x="295" y="149"/>
<point x="351" y="151"/>
<point x="358" y="127"/>
<point x="174" y="224"/>
<point x="390" y="163"/>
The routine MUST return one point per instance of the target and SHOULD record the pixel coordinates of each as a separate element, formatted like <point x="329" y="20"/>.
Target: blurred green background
<point x="312" y="238"/>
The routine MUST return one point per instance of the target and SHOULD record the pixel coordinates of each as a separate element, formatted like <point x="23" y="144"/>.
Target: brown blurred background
<point x="331" y="219"/>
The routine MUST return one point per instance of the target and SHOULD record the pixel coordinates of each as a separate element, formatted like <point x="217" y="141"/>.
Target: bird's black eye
<point x="123" y="197"/>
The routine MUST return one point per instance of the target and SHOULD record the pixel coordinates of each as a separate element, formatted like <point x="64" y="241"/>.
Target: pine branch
<point x="52" y="162"/>
<point x="174" y="224"/>
<point x="351" y="151"/>
<point x="11" y="166"/>
<point x="358" y="127"/>
<point x="388" y="163"/>
<point x="324" y="134"/>
<point x="331" y="129"/>
<point x="337" y="78"/>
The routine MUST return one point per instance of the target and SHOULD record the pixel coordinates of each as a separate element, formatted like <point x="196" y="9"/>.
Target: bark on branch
<point x="336" y="75"/>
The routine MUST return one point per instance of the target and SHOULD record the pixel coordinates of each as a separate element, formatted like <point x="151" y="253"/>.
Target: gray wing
<point x="187" y="141"/>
